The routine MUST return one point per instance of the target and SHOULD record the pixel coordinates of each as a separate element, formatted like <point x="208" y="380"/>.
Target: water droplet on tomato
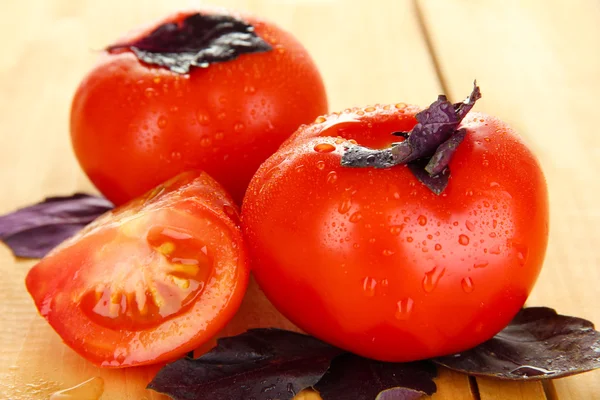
<point x="369" y="109"/>
<point x="467" y="285"/>
<point x="219" y="135"/>
<point x="231" y="213"/>
<point x="400" y="105"/>
<point x="409" y="239"/>
<point x="202" y="117"/>
<point x="324" y="148"/>
<point x="492" y="234"/>
<point x="387" y="252"/>
<point x="480" y="265"/>
<point x="332" y="177"/>
<point x="494" y="184"/>
<point x="369" y="286"/>
<point x="238" y="127"/>
<point x="205" y="141"/>
<point x="494" y="224"/>
<point x="356" y="217"/>
<point x="162" y="122"/>
<point x="469" y="193"/>
<point x="432" y="278"/>
<point x="346" y="202"/>
<point x="470" y="226"/>
<point x="320" y="120"/>
<point x="249" y="89"/>
<point x="485" y="163"/>
<point x="463" y="239"/>
<point x="404" y="308"/>
<point x="396" y="229"/>
<point x="438" y="247"/>
<point x="522" y="253"/>
<point x="221" y="116"/>
<point x="422" y="220"/>
<point x="320" y="164"/>
<point x="149" y="92"/>
<point x="495" y="249"/>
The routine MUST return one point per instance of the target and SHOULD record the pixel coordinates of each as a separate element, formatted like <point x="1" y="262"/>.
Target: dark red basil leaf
<point x="434" y="139"/>
<point x="442" y="156"/>
<point x="354" y="377"/>
<point x="436" y="183"/>
<point x="197" y="41"/>
<point x="537" y="344"/>
<point x="33" y="231"/>
<point x="259" y="364"/>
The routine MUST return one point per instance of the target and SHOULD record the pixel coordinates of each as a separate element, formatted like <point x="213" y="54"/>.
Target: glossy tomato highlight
<point x="373" y="261"/>
<point x="135" y="124"/>
<point x="150" y="280"/>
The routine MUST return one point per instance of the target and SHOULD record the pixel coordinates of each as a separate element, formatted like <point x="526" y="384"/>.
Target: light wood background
<point x="538" y="64"/>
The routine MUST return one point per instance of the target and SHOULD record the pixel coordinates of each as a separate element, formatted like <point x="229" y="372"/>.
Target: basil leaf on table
<point x="537" y="344"/>
<point x="31" y="232"/>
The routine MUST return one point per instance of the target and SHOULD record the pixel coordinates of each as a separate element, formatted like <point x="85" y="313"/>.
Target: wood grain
<point x="537" y="63"/>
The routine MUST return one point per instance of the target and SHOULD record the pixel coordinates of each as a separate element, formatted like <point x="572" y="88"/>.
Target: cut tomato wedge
<point x="149" y="281"/>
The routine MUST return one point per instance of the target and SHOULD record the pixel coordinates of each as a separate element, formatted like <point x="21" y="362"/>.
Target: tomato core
<point x="163" y="283"/>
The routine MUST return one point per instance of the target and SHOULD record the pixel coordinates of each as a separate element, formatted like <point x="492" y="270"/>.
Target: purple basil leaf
<point x="537" y="344"/>
<point x="462" y="109"/>
<point x="33" y="231"/>
<point x="351" y="377"/>
<point x="435" y="125"/>
<point x="434" y="139"/>
<point x="436" y="183"/>
<point x="259" y="364"/>
<point x="440" y="160"/>
<point x="197" y="41"/>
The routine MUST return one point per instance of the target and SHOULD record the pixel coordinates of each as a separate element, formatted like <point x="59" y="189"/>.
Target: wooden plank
<point x="537" y="63"/>
<point x="491" y="389"/>
<point x="452" y="386"/>
<point x="50" y="44"/>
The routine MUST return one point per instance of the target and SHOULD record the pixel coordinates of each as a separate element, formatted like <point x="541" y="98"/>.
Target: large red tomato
<point x="373" y="261"/>
<point x="134" y="124"/>
<point x="150" y="280"/>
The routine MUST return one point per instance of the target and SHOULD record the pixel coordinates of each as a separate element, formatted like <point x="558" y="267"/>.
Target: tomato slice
<point x="150" y="280"/>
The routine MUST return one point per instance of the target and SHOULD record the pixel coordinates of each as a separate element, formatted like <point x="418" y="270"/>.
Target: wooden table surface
<point x="538" y="64"/>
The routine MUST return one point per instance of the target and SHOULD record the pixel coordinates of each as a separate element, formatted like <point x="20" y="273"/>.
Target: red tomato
<point x="134" y="125"/>
<point x="374" y="262"/>
<point x="150" y="280"/>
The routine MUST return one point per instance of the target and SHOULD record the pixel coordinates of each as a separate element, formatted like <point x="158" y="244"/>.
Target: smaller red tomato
<point x="136" y="124"/>
<point x="150" y="280"/>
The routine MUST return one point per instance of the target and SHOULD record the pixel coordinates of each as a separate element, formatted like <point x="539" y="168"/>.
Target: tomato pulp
<point x="150" y="280"/>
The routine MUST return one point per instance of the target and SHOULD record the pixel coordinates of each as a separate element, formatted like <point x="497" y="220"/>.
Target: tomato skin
<point x="133" y="125"/>
<point x="106" y="256"/>
<point x="374" y="262"/>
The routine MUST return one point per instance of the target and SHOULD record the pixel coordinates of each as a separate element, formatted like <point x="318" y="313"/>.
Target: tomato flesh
<point x="149" y="281"/>
<point x="374" y="262"/>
